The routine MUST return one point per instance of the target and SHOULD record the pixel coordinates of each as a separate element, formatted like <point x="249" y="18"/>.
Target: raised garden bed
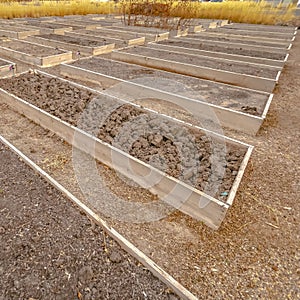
<point x="226" y="48"/>
<point x="259" y="34"/>
<point x="268" y="28"/>
<point x="34" y="53"/>
<point x="119" y="39"/>
<point x="49" y="27"/>
<point x="243" y="38"/>
<point x="76" y="24"/>
<point x="237" y="108"/>
<point x="75" y="44"/>
<point x="186" y="48"/>
<point x="150" y="37"/>
<point x="17" y="32"/>
<point x="38" y="228"/>
<point x="241" y="46"/>
<point x="159" y="34"/>
<point x="220" y="162"/>
<point x="7" y="68"/>
<point x="240" y="74"/>
<point x="240" y="40"/>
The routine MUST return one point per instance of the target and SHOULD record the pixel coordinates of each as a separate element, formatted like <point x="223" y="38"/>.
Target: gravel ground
<point x="203" y="62"/>
<point x="230" y="49"/>
<point x="33" y="49"/>
<point x="204" y="90"/>
<point x="50" y="250"/>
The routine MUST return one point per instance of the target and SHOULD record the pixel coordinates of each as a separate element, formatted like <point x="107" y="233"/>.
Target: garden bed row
<point x="232" y="72"/>
<point x="33" y="53"/>
<point x="200" y="165"/>
<point x="237" y="108"/>
<point x="120" y="40"/>
<point x="76" y="44"/>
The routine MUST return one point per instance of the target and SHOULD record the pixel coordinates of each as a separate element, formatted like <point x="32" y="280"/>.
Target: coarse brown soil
<point x="29" y="48"/>
<point x="201" y="161"/>
<point x="50" y="250"/>
<point x="228" y="96"/>
<point x="203" y="62"/>
<point x="255" y="254"/>
<point x="76" y="41"/>
<point x="230" y="49"/>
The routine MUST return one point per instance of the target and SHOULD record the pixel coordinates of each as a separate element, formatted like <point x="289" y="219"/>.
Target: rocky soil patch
<point x="204" y="90"/>
<point x="194" y="157"/>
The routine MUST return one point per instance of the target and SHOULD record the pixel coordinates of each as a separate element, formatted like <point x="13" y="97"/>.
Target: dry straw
<point x="236" y="11"/>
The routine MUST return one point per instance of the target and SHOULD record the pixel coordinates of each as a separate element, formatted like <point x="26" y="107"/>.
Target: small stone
<point x="189" y="174"/>
<point x="85" y="274"/>
<point x="115" y="257"/>
<point x="157" y="140"/>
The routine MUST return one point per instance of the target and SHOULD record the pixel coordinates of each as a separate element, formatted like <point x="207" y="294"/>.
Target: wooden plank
<point x="56" y="59"/>
<point x="239" y="176"/>
<point x="156" y="270"/>
<point x="243" y="80"/>
<point x="227" y="117"/>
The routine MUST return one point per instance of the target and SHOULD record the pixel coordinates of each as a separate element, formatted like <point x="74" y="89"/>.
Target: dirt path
<point x="52" y="251"/>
